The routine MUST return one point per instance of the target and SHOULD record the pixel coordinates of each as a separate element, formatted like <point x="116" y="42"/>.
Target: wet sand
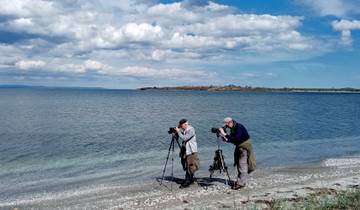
<point x="264" y="185"/>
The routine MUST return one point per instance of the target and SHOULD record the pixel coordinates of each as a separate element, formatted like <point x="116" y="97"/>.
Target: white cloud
<point x="91" y="64"/>
<point x="245" y="24"/>
<point x="173" y="11"/>
<point x="202" y="28"/>
<point x="163" y="55"/>
<point x="177" y="74"/>
<point x="217" y="7"/>
<point x="27" y="8"/>
<point x="141" y="32"/>
<point x="339" y="8"/>
<point x="30" y="64"/>
<point x="10" y="54"/>
<point x="135" y="38"/>
<point x="22" y="22"/>
<point x="345" y="27"/>
<point x="61" y="65"/>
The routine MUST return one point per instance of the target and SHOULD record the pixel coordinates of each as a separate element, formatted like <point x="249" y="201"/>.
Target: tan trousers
<point x="192" y="163"/>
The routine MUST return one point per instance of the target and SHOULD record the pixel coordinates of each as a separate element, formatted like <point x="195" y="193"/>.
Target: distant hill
<point x="252" y="89"/>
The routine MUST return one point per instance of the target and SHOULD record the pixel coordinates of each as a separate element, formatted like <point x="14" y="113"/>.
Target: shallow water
<point x="56" y="140"/>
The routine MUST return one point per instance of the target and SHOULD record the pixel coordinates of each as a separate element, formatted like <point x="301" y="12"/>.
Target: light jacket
<point x="184" y="135"/>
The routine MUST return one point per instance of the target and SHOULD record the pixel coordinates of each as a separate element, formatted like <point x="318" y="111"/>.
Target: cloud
<point x="163" y="55"/>
<point x="61" y="65"/>
<point x="111" y="37"/>
<point x="244" y="24"/>
<point x="141" y="32"/>
<point x="191" y="3"/>
<point x="30" y="64"/>
<point x="102" y="69"/>
<point x="217" y="7"/>
<point x="27" y="8"/>
<point x="95" y="65"/>
<point x="9" y="54"/>
<point x="345" y="27"/>
<point x="135" y="38"/>
<point x="339" y="8"/>
<point x="344" y="9"/>
<point x="174" y="26"/>
<point x="148" y="72"/>
<point x="173" y="11"/>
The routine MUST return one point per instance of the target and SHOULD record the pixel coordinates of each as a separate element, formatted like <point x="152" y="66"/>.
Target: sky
<point x="126" y="44"/>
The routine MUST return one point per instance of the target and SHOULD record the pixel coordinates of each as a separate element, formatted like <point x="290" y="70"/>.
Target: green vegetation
<point x="324" y="200"/>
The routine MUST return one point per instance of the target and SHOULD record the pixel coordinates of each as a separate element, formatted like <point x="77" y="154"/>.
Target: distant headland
<point x="253" y="89"/>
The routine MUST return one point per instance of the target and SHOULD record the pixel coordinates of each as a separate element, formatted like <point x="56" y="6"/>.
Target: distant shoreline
<point x="254" y="89"/>
<point x="202" y="88"/>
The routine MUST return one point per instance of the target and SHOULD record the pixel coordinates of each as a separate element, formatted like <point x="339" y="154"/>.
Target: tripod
<point x="219" y="163"/>
<point x="171" y="149"/>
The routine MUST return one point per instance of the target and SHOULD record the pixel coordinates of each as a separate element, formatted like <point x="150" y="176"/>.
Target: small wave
<point x="339" y="162"/>
<point x="48" y="196"/>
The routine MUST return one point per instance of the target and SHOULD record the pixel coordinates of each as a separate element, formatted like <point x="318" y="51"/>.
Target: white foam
<point x="48" y="196"/>
<point x="340" y="162"/>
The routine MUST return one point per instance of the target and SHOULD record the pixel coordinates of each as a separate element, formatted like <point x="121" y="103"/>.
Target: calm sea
<point x="64" y="140"/>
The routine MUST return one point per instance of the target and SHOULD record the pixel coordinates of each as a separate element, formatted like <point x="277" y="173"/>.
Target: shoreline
<point x="264" y="186"/>
<point x="235" y="88"/>
<point x="194" y="88"/>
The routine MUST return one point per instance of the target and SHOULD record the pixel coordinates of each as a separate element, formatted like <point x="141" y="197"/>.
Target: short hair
<point x="182" y="121"/>
<point x="227" y="119"/>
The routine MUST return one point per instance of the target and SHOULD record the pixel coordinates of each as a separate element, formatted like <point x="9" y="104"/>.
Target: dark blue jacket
<point x="238" y="134"/>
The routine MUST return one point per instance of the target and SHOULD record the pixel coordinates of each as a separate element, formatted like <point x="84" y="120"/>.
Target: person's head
<point x="183" y="123"/>
<point x="229" y="122"/>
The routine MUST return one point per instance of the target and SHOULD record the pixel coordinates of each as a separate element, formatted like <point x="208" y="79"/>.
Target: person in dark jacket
<point x="243" y="155"/>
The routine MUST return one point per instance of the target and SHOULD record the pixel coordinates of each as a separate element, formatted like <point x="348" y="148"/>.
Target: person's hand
<point x="177" y="129"/>
<point x="222" y="132"/>
<point x="224" y="139"/>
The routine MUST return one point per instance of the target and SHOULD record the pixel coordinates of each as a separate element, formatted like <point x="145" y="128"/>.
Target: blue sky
<point x="137" y="43"/>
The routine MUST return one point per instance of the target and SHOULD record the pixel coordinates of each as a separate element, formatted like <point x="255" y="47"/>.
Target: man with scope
<point x="243" y="155"/>
<point x="188" y="152"/>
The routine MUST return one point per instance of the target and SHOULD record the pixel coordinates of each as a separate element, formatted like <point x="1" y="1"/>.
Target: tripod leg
<point x="172" y="164"/>
<point x="227" y="173"/>
<point x="224" y="168"/>
<point x="167" y="158"/>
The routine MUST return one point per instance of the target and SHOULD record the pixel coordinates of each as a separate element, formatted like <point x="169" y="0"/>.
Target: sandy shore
<point x="264" y="185"/>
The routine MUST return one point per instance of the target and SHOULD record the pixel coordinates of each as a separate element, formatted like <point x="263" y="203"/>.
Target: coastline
<point x="195" y="88"/>
<point x="236" y="88"/>
<point x="264" y="186"/>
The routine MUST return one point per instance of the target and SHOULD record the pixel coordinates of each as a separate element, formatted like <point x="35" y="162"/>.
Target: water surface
<point x="56" y="140"/>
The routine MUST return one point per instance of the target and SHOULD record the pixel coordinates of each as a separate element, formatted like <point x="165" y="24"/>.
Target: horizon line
<point x="160" y="87"/>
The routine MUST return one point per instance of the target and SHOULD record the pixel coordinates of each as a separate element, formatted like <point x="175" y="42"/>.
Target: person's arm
<point x="190" y="133"/>
<point x="223" y="134"/>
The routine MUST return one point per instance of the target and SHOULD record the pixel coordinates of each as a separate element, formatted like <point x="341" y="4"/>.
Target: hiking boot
<point x="237" y="186"/>
<point x="185" y="184"/>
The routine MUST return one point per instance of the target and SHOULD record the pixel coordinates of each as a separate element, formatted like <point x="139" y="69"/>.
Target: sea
<point x="64" y="141"/>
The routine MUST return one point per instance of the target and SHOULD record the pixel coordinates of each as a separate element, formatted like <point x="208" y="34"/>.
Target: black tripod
<point x="171" y="149"/>
<point x="219" y="163"/>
